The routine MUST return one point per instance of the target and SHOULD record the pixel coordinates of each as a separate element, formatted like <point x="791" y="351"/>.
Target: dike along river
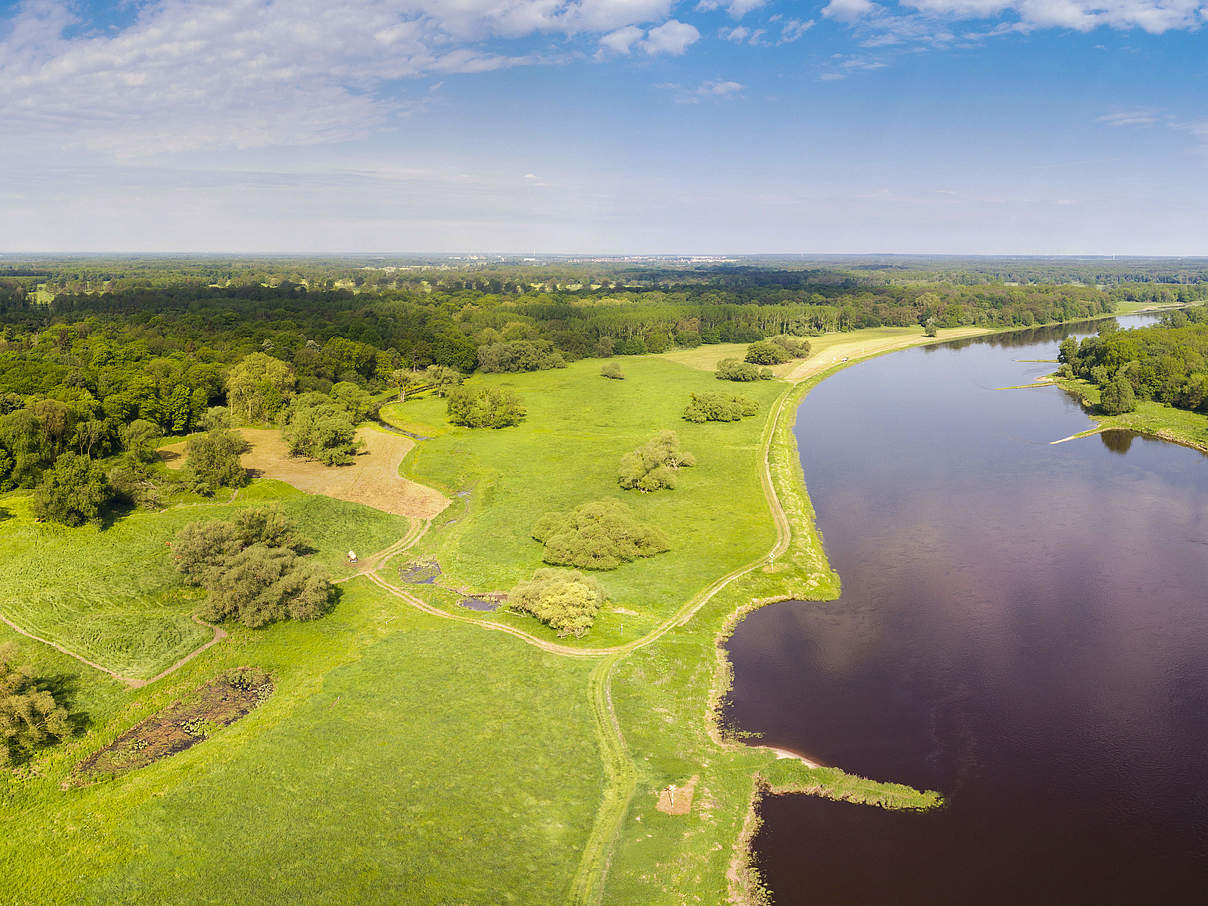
<point x="1023" y="627"/>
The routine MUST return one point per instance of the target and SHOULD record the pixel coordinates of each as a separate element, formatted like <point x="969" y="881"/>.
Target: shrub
<point x="719" y="407"/>
<point x="796" y="347"/>
<point x="565" y="600"/>
<point x="321" y="428"/>
<point x="252" y="569"/>
<point x="599" y="535"/>
<point x="72" y="491"/>
<point x="29" y="714"/>
<point x="652" y="466"/>
<point x="612" y="370"/>
<point x="765" y="352"/>
<point x="734" y="370"/>
<point x="485" y="407"/>
<point x="212" y="461"/>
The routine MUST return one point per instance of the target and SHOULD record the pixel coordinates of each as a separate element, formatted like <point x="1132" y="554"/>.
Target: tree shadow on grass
<point x="5" y="514"/>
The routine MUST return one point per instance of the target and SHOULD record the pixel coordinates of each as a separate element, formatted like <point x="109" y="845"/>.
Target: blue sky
<point x="607" y="126"/>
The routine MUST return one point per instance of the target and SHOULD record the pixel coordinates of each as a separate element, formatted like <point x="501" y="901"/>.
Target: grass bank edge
<point x="1150" y="419"/>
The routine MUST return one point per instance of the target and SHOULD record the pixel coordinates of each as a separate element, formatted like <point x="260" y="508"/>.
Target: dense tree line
<point x="1167" y="362"/>
<point x="91" y="347"/>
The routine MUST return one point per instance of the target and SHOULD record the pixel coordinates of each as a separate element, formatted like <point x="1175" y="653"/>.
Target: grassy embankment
<point x="1152" y="419"/>
<point x="405" y="758"/>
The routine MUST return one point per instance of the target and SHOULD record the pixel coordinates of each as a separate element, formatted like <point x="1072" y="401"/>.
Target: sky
<point x="605" y="126"/>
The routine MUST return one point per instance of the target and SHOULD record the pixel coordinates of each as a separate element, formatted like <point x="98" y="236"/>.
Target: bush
<point x="719" y="407"/>
<point x="600" y="535"/>
<point x="486" y="407"/>
<point x="29" y="715"/>
<point x="252" y="569"/>
<point x="133" y="481"/>
<point x="612" y="370"/>
<point x="1117" y="397"/>
<point x="765" y="352"/>
<point x="796" y="347"/>
<point x="734" y="370"/>
<point x="212" y="461"/>
<point x="72" y="491"/>
<point x="565" y="600"/>
<point x="321" y="428"/>
<point x="652" y="466"/>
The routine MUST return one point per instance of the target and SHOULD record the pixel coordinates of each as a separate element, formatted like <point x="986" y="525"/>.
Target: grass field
<point x="112" y="594"/>
<point x="401" y="759"/>
<point x="408" y="758"/>
<point x="566" y="453"/>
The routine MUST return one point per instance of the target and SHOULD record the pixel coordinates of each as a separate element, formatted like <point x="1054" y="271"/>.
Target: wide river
<point x="1023" y="627"/>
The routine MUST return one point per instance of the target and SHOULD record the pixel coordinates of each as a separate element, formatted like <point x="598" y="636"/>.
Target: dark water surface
<point x="1023" y="627"/>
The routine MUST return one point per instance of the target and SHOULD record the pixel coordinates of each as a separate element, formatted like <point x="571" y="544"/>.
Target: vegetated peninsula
<point x="1151" y="380"/>
<point x="356" y="576"/>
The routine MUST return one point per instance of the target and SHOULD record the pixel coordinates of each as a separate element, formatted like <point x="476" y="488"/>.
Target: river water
<point x="1023" y="626"/>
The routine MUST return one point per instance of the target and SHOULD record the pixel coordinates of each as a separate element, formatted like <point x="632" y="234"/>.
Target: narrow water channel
<point x="1023" y="627"/>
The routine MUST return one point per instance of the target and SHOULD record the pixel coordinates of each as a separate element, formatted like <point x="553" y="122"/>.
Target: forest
<point x="90" y="347"/>
<point x="1167" y="363"/>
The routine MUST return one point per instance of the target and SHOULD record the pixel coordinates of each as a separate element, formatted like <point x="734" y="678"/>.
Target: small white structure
<point x="352" y="556"/>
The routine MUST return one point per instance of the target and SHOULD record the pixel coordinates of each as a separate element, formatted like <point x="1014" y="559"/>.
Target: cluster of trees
<point x="564" y="600"/>
<point x="736" y="370"/>
<point x="777" y="350"/>
<point x="1167" y="363"/>
<point x="652" y="466"/>
<point x="519" y="355"/>
<point x="253" y="569"/>
<point x="484" y="407"/>
<point x="323" y="427"/>
<point x="603" y="534"/>
<point x="719" y="407"/>
<point x="30" y="716"/>
<point x="612" y="371"/>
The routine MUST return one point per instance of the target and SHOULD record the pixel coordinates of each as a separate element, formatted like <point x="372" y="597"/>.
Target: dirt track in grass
<point x="372" y="479"/>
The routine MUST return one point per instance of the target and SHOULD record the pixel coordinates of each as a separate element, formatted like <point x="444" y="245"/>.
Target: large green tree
<point x="212" y="461"/>
<point x="259" y="387"/>
<point x="72" y="491"/>
<point x="484" y="407"/>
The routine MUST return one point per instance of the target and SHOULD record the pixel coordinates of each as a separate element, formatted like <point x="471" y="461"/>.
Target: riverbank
<point x="1151" y="419"/>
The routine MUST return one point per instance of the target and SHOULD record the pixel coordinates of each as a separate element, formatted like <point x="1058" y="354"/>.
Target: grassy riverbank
<point x="408" y="756"/>
<point x="1152" y="419"/>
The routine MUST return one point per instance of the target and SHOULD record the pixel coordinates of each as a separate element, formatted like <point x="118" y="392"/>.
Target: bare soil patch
<point x="372" y="479"/>
<point x="180" y="726"/>
<point x="679" y="802"/>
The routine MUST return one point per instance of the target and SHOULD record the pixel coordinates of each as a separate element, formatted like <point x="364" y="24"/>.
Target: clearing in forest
<point x="372" y="479"/>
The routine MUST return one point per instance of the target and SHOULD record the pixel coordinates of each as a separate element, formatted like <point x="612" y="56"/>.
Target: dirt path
<point x="371" y="479"/>
<point x="862" y="349"/>
<point x="57" y="647"/>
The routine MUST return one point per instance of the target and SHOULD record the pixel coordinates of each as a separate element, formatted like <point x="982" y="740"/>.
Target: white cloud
<point x="849" y="10"/>
<point x="1139" y="117"/>
<point x="792" y="29"/>
<point x="621" y="40"/>
<point x="198" y="74"/>
<point x="1154" y="16"/>
<point x="710" y="89"/>
<point x="739" y="8"/>
<point x="738" y="34"/>
<point x="672" y="37"/>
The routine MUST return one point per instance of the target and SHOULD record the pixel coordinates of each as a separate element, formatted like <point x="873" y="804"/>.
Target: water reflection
<point x="1022" y="627"/>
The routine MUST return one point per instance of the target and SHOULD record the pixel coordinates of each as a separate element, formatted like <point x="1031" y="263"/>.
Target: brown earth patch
<point x="180" y="726"/>
<point x="682" y="803"/>
<point x="371" y="479"/>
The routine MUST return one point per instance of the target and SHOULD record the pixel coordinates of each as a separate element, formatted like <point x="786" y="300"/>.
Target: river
<point x="1023" y="627"/>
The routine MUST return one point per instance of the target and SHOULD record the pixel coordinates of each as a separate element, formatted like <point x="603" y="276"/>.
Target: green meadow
<point x="408" y="758"/>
